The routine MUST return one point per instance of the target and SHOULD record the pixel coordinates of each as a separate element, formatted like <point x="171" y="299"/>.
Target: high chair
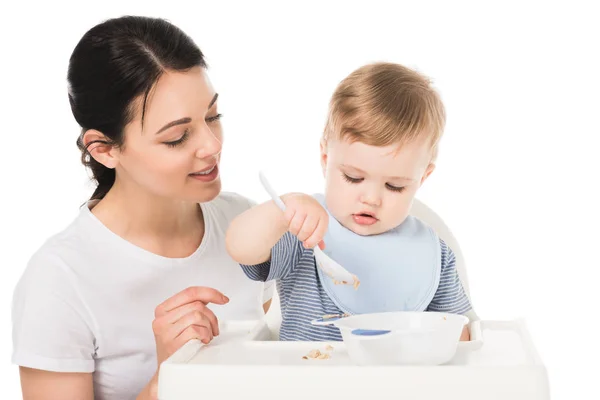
<point x="500" y="361"/>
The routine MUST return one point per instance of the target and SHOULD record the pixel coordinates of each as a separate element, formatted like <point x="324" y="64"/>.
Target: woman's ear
<point x="100" y="148"/>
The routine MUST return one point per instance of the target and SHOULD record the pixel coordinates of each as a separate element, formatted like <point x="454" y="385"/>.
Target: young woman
<point x="143" y="268"/>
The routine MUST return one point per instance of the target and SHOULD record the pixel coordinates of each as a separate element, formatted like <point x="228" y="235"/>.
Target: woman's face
<point x="175" y="153"/>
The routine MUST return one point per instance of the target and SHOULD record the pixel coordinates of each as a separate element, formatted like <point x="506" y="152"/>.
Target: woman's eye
<point x="214" y="118"/>
<point x="179" y="141"/>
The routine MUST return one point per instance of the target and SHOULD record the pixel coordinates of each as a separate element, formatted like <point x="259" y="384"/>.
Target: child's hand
<point x="306" y="219"/>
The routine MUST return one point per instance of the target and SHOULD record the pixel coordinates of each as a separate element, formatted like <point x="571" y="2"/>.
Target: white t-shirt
<point x="86" y="300"/>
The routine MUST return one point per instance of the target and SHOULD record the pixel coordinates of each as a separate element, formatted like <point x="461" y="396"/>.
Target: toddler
<point x="378" y="147"/>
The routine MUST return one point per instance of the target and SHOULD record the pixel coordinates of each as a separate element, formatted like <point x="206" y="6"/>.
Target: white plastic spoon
<point x="331" y="268"/>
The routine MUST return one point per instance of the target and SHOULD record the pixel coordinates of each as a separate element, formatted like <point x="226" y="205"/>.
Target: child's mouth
<point x="364" y="219"/>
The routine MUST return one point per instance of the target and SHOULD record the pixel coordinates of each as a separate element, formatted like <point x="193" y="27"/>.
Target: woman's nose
<point x="210" y="146"/>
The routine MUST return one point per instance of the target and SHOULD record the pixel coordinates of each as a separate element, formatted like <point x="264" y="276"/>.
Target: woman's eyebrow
<point x="180" y="121"/>
<point x="213" y="101"/>
<point x="186" y="120"/>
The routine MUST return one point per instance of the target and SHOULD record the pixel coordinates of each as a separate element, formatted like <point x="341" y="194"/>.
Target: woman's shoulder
<point x="228" y="205"/>
<point x="46" y="299"/>
<point x="50" y="259"/>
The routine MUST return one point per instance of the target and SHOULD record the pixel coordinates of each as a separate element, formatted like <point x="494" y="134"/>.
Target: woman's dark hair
<point x="113" y="64"/>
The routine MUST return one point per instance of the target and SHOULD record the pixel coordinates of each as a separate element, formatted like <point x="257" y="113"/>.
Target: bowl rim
<point x="342" y="326"/>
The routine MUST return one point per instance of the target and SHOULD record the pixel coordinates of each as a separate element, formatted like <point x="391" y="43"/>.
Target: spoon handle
<point x="270" y="190"/>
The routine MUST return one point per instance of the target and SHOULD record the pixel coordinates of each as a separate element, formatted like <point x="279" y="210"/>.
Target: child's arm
<point x="450" y="296"/>
<point x="251" y="235"/>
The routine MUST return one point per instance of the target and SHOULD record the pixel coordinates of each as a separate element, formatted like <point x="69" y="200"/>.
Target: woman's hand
<point x="184" y="317"/>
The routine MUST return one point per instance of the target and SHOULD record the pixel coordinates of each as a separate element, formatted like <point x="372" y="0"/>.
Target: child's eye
<point x="351" y="179"/>
<point x="214" y="118"/>
<point x="179" y="141"/>
<point x="394" y="188"/>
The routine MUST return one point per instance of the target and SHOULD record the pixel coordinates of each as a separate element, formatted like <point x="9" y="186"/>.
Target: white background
<point x="516" y="178"/>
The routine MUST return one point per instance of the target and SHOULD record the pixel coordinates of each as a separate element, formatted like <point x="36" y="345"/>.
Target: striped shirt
<point x="303" y="298"/>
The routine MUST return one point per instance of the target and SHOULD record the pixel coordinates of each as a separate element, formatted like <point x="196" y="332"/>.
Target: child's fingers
<point x="317" y="234"/>
<point x="289" y="214"/>
<point x="297" y="223"/>
<point x="308" y="228"/>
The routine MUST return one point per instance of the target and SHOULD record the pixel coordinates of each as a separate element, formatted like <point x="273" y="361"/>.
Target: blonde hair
<point x="383" y="104"/>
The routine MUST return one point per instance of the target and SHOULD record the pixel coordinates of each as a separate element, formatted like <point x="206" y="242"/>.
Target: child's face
<point x="370" y="189"/>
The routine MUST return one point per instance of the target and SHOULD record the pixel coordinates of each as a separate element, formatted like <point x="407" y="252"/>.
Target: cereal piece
<point x="340" y="282"/>
<point x="314" y="353"/>
<point x="317" y="355"/>
<point x="330" y="316"/>
<point x="356" y="282"/>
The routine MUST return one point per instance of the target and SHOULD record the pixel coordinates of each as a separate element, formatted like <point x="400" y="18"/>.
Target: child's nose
<point x="371" y="199"/>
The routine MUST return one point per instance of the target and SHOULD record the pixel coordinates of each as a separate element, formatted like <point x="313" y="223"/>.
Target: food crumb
<point x="329" y="316"/>
<point x="356" y="283"/>
<point x="317" y="355"/>
<point x="314" y="354"/>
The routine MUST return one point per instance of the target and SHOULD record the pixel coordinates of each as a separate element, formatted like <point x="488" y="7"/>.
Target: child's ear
<point x="428" y="172"/>
<point x="100" y="148"/>
<point x="324" y="155"/>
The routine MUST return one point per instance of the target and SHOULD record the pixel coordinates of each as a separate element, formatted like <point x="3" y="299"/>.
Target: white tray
<point x="240" y="363"/>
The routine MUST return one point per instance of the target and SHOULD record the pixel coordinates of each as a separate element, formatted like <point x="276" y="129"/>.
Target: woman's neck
<point x="171" y="228"/>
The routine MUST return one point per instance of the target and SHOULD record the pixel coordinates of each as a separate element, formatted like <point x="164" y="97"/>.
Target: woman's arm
<point x="46" y="385"/>
<point x="53" y="339"/>
<point x="182" y="317"/>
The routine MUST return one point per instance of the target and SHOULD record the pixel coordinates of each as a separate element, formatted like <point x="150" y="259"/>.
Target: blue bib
<point x="399" y="270"/>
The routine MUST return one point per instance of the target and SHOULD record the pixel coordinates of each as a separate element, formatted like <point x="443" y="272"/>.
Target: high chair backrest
<point x="425" y="214"/>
